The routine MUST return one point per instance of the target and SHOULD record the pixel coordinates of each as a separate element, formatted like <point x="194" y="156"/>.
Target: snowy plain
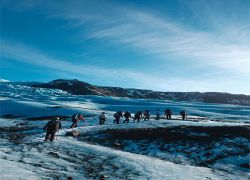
<point x="23" y="154"/>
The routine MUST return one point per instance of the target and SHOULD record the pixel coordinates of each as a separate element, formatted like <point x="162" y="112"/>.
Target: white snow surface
<point x="10" y="170"/>
<point x="152" y="168"/>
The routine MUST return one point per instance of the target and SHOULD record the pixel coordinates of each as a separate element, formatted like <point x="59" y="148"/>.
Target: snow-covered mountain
<point x="25" y="89"/>
<point x="4" y="80"/>
<point x="77" y="87"/>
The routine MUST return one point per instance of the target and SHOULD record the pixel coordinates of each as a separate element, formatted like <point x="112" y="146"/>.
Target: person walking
<point x="51" y="128"/>
<point x="138" y="116"/>
<point x="168" y="113"/>
<point x="157" y="114"/>
<point x="102" y="118"/>
<point x="127" y="115"/>
<point x="117" y="116"/>
<point x="75" y="119"/>
<point x="183" y="114"/>
<point x="146" y="115"/>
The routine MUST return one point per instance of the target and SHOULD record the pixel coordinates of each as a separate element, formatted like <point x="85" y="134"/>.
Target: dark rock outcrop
<point x="72" y="133"/>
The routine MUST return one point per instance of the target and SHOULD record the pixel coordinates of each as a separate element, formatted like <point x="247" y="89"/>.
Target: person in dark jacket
<point x="127" y="115"/>
<point x="102" y="118"/>
<point x="146" y="115"/>
<point x="183" y="114"/>
<point x="75" y="119"/>
<point x="138" y="116"/>
<point x="168" y="113"/>
<point x="51" y="128"/>
<point x="118" y="115"/>
<point x="157" y="114"/>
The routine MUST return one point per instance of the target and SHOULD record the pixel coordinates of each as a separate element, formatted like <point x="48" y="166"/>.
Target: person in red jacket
<point x="75" y="119"/>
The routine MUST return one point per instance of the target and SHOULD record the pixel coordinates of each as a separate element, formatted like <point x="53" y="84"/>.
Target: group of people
<point x="53" y="126"/>
<point x="138" y="116"/>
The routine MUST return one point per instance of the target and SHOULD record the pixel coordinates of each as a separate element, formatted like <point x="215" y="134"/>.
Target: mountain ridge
<point x="77" y="87"/>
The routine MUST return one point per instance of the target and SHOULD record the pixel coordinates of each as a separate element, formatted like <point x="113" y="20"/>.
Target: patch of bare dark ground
<point x="15" y="134"/>
<point x="196" y="143"/>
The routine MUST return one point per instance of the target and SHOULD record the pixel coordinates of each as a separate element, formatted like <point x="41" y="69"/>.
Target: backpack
<point x="74" y="117"/>
<point x="53" y="126"/>
<point x="138" y="114"/>
<point x="183" y="113"/>
<point x="127" y="115"/>
<point x="115" y="115"/>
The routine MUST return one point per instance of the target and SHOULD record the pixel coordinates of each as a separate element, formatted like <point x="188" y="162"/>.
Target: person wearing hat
<point x="51" y="128"/>
<point x="102" y="118"/>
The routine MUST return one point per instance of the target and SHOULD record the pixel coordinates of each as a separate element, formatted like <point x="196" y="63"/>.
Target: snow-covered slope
<point x="24" y="155"/>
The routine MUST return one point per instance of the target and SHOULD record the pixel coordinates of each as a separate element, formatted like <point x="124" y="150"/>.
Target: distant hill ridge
<point x="77" y="87"/>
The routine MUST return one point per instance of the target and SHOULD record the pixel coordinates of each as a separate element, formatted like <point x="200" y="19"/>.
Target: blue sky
<point x="177" y="45"/>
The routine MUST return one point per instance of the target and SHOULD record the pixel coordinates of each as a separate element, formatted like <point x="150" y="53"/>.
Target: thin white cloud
<point x="30" y="55"/>
<point x="226" y="45"/>
<point x="204" y="48"/>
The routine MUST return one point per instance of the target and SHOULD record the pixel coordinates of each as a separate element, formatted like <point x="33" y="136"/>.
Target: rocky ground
<point x="195" y="145"/>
